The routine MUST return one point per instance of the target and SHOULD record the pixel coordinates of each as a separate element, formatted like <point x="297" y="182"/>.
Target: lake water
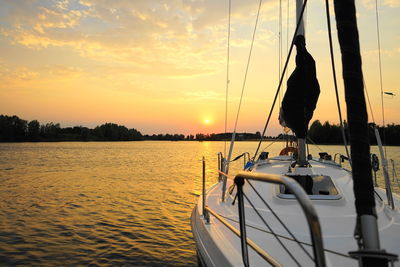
<point x="108" y="203"/>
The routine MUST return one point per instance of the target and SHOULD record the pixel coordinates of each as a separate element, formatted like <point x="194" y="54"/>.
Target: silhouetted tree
<point x="114" y="132"/>
<point x="33" y="130"/>
<point x="12" y="128"/>
<point x="50" y="131"/>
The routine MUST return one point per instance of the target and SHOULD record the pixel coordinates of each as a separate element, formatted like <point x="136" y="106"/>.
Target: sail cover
<point x="302" y="92"/>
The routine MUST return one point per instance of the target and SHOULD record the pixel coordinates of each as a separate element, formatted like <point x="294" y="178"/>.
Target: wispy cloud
<point x="148" y="35"/>
<point x="174" y="38"/>
<point x="392" y="3"/>
<point x="9" y="74"/>
<point x="389" y="53"/>
<point x="372" y="3"/>
<point x="203" y="95"/>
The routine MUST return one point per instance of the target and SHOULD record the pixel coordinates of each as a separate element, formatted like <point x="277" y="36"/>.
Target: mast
<point x="366" y="232"/>
<point x="302" y="160"/>
<point x="302" y="91"/>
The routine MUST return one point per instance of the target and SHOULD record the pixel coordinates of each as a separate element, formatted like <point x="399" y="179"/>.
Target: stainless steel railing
<point x="299" y="193"/>
<point x="394" y="174"/>
<point x="251" y="243"/>
<point x="302" y="198"/>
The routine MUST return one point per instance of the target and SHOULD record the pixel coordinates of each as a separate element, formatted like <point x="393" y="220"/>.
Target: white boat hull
<point x="218" y="246"/>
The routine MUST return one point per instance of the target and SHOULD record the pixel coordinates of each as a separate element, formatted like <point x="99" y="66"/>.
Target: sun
<point x="207" y="121"/>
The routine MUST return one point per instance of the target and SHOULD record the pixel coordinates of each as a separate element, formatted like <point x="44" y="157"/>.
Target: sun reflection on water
<point x="107" y="203"/>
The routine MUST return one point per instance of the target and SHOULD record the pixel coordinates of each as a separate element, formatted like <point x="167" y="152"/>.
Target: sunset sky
<point x="160" y="66"/>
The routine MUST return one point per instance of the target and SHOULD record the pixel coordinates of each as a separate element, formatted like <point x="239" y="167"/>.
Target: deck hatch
<point x="316" y="186"/>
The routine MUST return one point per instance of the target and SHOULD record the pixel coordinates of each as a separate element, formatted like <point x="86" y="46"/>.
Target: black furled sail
<point x="302" y="92"/>
<point x="356" y="108"/>
<point x="367" y="234"/>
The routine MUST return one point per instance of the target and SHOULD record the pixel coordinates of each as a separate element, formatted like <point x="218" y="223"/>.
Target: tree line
<point x="331" y="133"/>
<point x="14" y="129"/>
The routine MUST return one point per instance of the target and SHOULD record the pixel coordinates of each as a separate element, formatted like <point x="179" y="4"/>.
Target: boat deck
<point x="336" y="214"/>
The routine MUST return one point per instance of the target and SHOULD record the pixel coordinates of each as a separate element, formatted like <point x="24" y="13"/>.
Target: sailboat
<point x="295" y="209"/>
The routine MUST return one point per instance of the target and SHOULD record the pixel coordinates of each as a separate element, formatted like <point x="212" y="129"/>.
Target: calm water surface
<point x="119" y="203"/>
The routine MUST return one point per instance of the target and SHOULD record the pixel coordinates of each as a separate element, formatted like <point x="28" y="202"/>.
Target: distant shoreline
<point x="138" y="141"/>
<point x="14" y="129"/>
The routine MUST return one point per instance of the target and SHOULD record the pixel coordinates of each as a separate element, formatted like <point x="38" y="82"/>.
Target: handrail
<point x="220" y="164"/>
<point x="204" y="187"/>
<point x="340" y="158"/>
<point x="251" y="243"/>
<point x="302" y="198"/>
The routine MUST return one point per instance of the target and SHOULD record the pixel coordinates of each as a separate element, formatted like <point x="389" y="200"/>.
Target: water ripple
<point x="121" y="204"/>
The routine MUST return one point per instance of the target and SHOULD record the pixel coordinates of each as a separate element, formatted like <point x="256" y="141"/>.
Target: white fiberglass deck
<point x="218" y="246"/>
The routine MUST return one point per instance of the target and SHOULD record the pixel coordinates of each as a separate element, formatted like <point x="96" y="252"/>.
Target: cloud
<point x="372" y="4"/>
<point x="62" y="72"/>
<point x="10" y="75"/>
<point x="390" y="53"/>
<point x="175" y="38"/>
<point x="368" y="3"/>
<point x="392" y="3"/>
<point x="203" y="95"/>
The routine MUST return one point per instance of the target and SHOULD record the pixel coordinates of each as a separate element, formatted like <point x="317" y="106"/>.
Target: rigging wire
<point x="287" y="30"/>
<point x="248" y="64"/>
<point x="280" y="52"/>
<point x="284" y="237"/>
<point x="281" y="79"/>
<point x="369" y="102"/>
<point x="309" y="139"/>
<point x="244" y="83"/>
<point x="227" y="75"/>
<point x="335" y="79"/>
<point x="280" y="46"/>
<point x="287" y="51"/>
<point x="271" y="230"/>
<point x="278" y="219"/>
<point x="305" y="20"/>
<point x="380" y="74"/>
<point x="273" y="142"/>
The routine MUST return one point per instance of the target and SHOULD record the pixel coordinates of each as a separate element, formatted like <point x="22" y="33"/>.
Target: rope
<point x="227" y="74"/>
<point x="380" y="74"/>
<point x="238" y="157"/>
<point x="281" y="79"/>
<point x="280" y="221"/>
<point x="271" y="231"/>
<point x="335" y="79"/>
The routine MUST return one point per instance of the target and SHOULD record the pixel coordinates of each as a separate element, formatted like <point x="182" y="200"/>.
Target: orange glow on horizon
<point x="72" y="63"/>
